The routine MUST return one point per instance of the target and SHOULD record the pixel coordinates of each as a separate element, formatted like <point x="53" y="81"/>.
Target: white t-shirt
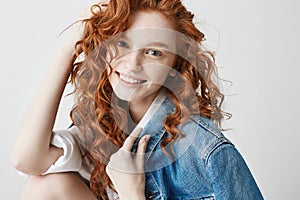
<point x="72" y="159"/>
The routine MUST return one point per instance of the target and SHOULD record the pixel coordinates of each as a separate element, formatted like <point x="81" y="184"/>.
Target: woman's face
<point x="144" y="57"/>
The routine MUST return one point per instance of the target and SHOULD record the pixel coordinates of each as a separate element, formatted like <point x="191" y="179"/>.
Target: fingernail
<point x="147" y="138"/>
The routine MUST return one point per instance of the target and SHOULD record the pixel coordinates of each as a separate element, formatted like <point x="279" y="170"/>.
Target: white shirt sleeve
<point x="71" y="160"/>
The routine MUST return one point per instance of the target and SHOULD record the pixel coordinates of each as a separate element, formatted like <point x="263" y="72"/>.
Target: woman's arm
<point x="231" y="177"/>
<point x="33" y="153"/>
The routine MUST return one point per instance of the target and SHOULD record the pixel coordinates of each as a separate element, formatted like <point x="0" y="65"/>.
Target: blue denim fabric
<point x="206" y="166"/>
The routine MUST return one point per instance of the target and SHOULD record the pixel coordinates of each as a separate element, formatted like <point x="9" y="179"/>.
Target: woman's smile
<point x="130" y="80"/>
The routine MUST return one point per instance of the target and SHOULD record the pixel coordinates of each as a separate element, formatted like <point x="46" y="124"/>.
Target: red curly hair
<point x="102" y="118"/>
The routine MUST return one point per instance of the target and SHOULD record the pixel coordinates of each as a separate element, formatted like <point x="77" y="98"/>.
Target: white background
<point x="257" y="50"/>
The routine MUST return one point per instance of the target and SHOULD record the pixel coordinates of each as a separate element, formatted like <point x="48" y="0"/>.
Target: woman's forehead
<point x="165" y="38"/>
<point x="149" y="19"/>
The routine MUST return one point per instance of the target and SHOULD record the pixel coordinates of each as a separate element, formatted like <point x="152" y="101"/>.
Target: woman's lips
<point x="130" y="79"/>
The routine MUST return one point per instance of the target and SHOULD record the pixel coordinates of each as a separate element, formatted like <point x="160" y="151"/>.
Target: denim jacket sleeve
<point x="230" y="176"/>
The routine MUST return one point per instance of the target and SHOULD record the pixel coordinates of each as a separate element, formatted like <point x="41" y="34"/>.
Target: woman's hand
<point x="78" y="26"/>
<point x="126" y="170"/>
<point x="77" y="29"/>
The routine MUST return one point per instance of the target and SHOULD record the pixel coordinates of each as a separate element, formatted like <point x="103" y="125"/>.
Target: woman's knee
<point x="56" y="186"/>
<point x="41" y="187"/>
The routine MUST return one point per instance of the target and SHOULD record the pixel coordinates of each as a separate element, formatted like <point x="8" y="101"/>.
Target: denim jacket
<point x="206" y="166"/>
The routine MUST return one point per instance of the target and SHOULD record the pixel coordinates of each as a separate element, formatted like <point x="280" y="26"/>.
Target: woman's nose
<point x="133" y="60"/>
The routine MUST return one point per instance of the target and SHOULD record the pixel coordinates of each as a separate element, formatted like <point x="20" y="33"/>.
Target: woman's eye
<point x="123" y="44"/>
<point x="154" y="53"/>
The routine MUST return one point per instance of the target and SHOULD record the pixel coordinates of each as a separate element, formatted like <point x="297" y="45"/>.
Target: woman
<point x="144" y="120"/>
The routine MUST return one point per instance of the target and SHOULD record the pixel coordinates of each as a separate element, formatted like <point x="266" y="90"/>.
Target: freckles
<point x="115" y="62"/>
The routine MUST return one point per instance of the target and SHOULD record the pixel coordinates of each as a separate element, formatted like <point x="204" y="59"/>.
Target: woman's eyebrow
<point x="123" y="36"/>
<point x="159" y="44"/>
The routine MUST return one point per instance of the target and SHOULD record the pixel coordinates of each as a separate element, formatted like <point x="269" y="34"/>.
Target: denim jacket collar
<point x="155" y="127"/>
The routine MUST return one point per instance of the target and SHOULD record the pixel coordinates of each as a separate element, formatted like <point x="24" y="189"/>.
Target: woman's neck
<point x="138" y="109"/>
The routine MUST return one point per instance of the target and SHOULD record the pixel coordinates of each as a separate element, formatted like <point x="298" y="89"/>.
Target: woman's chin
<point x="125" y="95"/>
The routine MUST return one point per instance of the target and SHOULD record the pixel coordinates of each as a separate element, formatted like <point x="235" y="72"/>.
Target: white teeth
<point x="129" y="80"/>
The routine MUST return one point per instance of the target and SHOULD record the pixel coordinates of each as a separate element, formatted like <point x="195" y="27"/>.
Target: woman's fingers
<point x="140" y="154"/>
<point x="127" y="172"/>
<point x="143" y="144"/>
<point x="123" y="160"/>
<point x="128" y="143"/>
